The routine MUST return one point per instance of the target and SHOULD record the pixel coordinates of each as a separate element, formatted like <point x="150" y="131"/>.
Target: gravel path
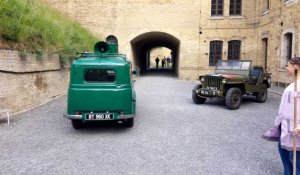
<point x="171" y="135"/>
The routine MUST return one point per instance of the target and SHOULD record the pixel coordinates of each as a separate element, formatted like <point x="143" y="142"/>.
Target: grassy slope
<point x="29" y="26"/>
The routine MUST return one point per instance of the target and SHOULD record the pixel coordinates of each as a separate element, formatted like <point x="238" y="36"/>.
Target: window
<point x="215" y="52"/>
<point x="265" y="52"/>
<point x="235" y="7"/>
<point x="99" y="75"/>
<point x="287" y="49"/>
<point x="234" y="50"/>
<point x="265" y="5"/>
<point x="217" y="7"/>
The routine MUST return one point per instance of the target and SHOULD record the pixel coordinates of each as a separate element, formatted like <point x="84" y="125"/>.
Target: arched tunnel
<point x="142" y="44"/>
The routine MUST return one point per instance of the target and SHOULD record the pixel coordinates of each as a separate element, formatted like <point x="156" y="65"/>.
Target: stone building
<point x="197" y="32"/>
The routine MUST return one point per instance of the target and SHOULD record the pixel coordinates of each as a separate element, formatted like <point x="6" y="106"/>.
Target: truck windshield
<point x="99" y="75"/>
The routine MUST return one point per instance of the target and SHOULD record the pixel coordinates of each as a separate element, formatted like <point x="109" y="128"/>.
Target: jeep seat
<point x="254" y="75"/>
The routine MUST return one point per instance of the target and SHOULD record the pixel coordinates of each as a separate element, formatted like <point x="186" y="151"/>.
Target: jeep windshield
<point x="233" y="67"/>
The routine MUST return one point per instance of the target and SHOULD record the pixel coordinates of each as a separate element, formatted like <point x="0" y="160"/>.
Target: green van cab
<point x="101" y="87"/>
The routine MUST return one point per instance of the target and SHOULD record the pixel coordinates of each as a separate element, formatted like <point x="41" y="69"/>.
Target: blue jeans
<point x="287" y="160"/>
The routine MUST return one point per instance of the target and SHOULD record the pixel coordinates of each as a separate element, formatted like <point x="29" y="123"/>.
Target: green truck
<point x="101" y="87"/>
<point x="231" y="80"/>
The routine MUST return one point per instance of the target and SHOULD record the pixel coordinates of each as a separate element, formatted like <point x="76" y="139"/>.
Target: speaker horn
<point x="101" y="46"/>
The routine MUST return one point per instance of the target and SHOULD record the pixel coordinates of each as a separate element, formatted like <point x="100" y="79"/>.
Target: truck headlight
<point x="223" y="80"/>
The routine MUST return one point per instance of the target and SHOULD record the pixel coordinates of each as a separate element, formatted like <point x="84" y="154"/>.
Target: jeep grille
<point x="212" y="82"/>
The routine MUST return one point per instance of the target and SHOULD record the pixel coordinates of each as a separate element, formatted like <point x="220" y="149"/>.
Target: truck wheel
<point x="129" y="122"/>
<point x="196" y="98"/>
<point x="262" y="95"/>
<point x="233" y="98"/>
<point x="77" y="124"/>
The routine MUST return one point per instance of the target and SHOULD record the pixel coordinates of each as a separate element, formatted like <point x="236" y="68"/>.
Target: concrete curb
<point x="40" y="104"/>
<point x="275" y="92"/>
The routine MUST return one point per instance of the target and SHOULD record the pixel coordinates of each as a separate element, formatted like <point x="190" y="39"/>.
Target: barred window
<point x="217" y="7"/>
<point x="234" y="50"/>
<point x="235" y="7"/>
<point x="215" y="52"/>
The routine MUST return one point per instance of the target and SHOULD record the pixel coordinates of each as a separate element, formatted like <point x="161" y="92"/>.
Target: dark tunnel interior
<point x="142" y="44"/>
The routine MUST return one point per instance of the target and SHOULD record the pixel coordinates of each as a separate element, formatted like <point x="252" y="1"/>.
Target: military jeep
<point x="233" y="79"/>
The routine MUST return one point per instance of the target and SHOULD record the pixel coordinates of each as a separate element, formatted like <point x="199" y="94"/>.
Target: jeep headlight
<point x="201" y="79"/>
<point x="223" y="80"/>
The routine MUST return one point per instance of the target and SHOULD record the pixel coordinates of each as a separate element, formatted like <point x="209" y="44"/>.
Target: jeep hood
<point x="227" y="76"/>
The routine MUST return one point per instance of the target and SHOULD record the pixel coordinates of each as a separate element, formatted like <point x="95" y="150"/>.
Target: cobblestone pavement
<point x="171" y="135"/>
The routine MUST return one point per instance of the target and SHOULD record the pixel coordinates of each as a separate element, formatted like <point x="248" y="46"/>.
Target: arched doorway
<point x="143" y="44"/>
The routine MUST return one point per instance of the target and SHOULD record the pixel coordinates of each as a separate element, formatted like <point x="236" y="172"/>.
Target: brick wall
<point x="28" y="82"/>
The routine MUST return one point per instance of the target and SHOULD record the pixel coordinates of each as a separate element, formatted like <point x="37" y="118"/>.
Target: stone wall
<point x="192" y="24"/>
<point x="28" y="82"/>
<point x="131" y="19"/>
<point x="272" y="24"/>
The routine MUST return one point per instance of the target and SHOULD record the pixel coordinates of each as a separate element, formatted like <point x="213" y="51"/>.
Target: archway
<point x="143" y="44"/>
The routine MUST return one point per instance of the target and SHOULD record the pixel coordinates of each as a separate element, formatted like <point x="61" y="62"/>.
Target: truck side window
<point x="99" y="75"/>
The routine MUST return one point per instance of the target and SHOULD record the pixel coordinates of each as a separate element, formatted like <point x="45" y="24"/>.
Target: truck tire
<point x="129" y="122"/>
<point x="262" y="95"/>
<point x="77" y="124"/>
<point x="196" y="98"/>
<point x="233" y="98"/>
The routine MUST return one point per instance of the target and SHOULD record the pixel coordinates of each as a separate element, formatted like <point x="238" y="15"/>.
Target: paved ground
<point x="171" y="135"/>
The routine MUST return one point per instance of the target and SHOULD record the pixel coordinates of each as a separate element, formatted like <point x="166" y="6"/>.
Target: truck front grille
<point x="212" y="82"/>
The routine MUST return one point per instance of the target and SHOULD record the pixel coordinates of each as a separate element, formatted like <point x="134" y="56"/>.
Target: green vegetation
<point x="29" y="26"/>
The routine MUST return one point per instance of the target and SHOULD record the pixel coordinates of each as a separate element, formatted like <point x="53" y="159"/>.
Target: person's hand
<point x="296" y="131"/>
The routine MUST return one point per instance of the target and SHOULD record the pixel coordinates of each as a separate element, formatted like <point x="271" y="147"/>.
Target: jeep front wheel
<point x="233" y="98"/>
<point x="262" y="95"/>
<point x="196" y="98"/>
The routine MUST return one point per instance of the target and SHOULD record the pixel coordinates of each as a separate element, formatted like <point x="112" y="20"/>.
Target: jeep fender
<point x="240" y="86"/>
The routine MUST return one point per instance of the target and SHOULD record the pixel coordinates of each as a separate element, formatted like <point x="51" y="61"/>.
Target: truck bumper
<point x="126" y="116"/>
<point x="79" y="117"/>
<point x="73" y="117"/>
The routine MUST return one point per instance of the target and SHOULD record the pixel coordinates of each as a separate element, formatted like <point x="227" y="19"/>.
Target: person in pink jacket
<point x="283" y="130"/>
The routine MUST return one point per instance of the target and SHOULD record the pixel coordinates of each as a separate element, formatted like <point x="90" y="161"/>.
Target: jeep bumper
<point x="205" y="93"/>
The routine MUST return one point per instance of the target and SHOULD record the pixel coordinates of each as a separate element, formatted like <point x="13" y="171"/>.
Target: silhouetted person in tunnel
<point x="157" y="61"/>
<point x="163" y="61"/>
<point x="168" y="61"/>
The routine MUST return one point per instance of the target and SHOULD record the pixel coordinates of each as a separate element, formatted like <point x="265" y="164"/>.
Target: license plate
<point x="99" y="116"/>
<point x="204" y="92"/>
